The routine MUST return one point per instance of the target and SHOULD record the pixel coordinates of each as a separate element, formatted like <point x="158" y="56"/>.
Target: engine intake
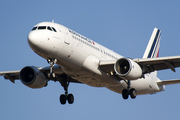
<point x="127" y="69"/>
<point x="32" y="77"/>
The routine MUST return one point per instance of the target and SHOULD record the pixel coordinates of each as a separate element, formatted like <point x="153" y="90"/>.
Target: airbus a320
<point x="75" y="58"/>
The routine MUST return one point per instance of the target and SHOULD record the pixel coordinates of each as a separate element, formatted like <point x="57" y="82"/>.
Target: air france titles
<point x="82" y="37"/>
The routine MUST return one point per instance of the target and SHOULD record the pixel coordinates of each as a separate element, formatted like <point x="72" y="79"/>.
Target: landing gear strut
<point x="128" y="91"/>
<point x="51" y="62"/>
<point x="65" y="97"/>
<point x="63" y="79"/>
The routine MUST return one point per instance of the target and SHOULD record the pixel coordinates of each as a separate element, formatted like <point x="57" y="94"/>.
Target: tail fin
<point x="152" y="49"/>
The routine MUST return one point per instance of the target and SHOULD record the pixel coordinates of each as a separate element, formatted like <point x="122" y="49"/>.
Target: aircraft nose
<point x="39" y="41"/>
<point x="33" y="39"/>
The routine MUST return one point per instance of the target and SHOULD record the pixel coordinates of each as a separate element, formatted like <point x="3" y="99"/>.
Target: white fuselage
<point x="79" y="58"/>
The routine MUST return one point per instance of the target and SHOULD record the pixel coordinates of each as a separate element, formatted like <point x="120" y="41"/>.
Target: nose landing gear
<point x="51" y="62"/>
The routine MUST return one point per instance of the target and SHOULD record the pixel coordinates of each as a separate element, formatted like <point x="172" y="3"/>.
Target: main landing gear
<point x="65" y="97"/>
<point x="63" y="79"/>
<point x="128" y="91"/>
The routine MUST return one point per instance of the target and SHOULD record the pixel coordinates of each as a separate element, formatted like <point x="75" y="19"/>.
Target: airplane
<point x="74" y="58"/>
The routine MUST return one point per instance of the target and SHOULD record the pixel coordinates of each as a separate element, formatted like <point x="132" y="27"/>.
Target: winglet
<point x="152" y="49"/>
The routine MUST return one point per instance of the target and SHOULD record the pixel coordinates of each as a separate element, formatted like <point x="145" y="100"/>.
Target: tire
<point x="133" y="93"/>
<point x="125" y="94"/>
<point x="70" y="98"/>
<point x="63" y="99"/>
<point x="51" y="75"/>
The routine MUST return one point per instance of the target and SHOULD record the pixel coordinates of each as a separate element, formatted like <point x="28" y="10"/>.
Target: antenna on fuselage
<point x="52" y="21"/>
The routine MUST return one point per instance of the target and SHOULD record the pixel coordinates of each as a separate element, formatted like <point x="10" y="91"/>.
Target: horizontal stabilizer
<point x="168" y="82"/>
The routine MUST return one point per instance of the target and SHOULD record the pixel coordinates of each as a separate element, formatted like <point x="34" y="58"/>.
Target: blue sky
<point x="122" y="26"/>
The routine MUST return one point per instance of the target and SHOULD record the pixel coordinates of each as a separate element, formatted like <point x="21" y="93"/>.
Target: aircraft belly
<point x="97" y="81"/>
<point x="92" y="79"/>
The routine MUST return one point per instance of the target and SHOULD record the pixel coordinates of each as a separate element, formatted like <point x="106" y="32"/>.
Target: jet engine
<point x="128" y="69"/>
<point x="32" y="77"/>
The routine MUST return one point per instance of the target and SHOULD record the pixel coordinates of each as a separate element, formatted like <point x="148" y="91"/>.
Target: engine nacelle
<point x="127" y="69"/>
<point x="32" y="77"/>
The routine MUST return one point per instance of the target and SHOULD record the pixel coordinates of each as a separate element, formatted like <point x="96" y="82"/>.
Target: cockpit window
<point x="44" y="28"/>
<point x="49" y="28"/>
<point x="41" y="27"/>
<point x="34" y="28"/>
<point x="54" y="29"/>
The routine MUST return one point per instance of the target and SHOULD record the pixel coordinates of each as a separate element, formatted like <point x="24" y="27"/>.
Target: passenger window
<point x="49" y="28"/>
<point x="54" y="29"/>
<point x="41" y="27"/>
<point x="34" y="28"/>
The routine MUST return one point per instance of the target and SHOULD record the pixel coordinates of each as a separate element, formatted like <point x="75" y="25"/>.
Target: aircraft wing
<point x="159" y="63"/>
<point x="150" y="64"/>
<point x="11" y="75"/>
<point x="14" y="75"/>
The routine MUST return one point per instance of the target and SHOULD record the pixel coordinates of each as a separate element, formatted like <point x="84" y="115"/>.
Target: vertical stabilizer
<point x="152" y="49"/>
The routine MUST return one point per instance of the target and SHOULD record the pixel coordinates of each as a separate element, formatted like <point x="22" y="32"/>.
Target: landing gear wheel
<point x="128" y="91"/>
<point x="63" y="99"/>
<point x="63" y="79"/>
<point x="125" y="94"/>
<point x="133" y="93"/>
<point x="70" y="98"/>
<point x="51" y="75"/>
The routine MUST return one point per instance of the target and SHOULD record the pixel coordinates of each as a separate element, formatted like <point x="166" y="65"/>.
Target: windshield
<point x="44" y="28"/>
